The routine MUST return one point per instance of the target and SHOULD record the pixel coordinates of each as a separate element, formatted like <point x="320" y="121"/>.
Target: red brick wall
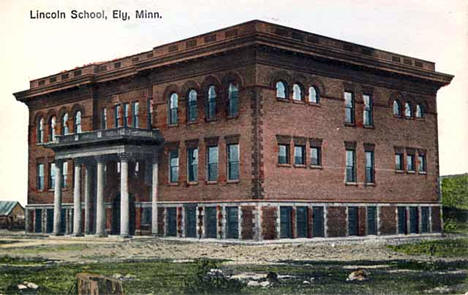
<point x="336" y="221"/>
<point x="269" y="223"/>
<point x="436" y="222"/>
<point x="247" y="222"/>
<point x="388" y="223"/>
<point x="362" y="219"/>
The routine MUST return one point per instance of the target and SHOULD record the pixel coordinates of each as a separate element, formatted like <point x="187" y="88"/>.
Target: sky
<point x="29" y="49"/>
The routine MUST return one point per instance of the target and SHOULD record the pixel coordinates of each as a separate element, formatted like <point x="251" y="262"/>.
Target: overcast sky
<point x="30" y="49"/>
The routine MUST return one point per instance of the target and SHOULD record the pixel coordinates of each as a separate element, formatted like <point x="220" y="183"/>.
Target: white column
<point x="154" y="199"/>
<point x="58" y="198"/>
<point x="124" y="202"/>
<point x="100" y="210"/>
<point x="77" y="200"/>
<point x="87" y="192"/>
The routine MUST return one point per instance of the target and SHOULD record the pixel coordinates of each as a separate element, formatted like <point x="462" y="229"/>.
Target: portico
<point x="91" y="151"/>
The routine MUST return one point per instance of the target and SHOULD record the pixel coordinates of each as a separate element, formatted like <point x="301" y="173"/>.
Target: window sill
<point x="189" y="183"/>
<point x="282" y="99"/>
<point x="397" y="116"/>
<point x="419" y="119"/>
<point x="298" y="101"/>
<point x="232" y="117"/>
<point x="370" y="184"/>
<point x="211" y="120"/>
<point x="232" y="181"/>
<point x="411" y="172"/>
<point x="399" y="171"/>
<point x="283" y="165"/>
<point x="348" y="124"/>
<point x="422" y="173"/>
<point x="316" y="167"/>
<point x="173" y="184"/>
<point x="210" y="182"/>
<point x="314" y="104"/>
<point x="351" y="183"/>
<point x="299" y="166"/>
<point x="192" y="122"/>
<point x="368" y="127"/>
<point x="172" y="125"/>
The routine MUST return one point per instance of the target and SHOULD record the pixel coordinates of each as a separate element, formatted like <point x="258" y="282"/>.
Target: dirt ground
<point x="92" y="249"/>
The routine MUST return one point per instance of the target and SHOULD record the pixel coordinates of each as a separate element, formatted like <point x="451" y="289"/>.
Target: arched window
<point x="233" y="100"/>
<point x="173" y="106"/>
<point x="313" y="95"/>
<point x="408" y="111"/>
<point x="40" y="130"/>
<point x="77" y="122"/>
<point x="192" y="112"/>
<point x="396" y="108"/>
<point x="419" y="111"/>
<point x="52" y="125"/>
<point x="281" y="90"/>
<point x="297" y="92"/>
<point x="211" y="108"/>
<point x="65" y="130"/>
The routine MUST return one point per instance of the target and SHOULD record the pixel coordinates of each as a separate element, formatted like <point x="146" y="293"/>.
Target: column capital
<point x="59" y="162"/>
<point x="101" y="158"/>
<point x="79" y="161"/>
<point x="124" y="156"/>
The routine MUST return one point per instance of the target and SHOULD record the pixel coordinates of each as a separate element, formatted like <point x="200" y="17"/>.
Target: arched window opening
<point x="65" y="130"/>
<point x="396" y="108"/>
<point x="297" y="92"/>
<point x="52" y="126"/>
<point x="211" y="109"/>
<point x="77" y="122"/>
<point x="281" y="90"/>
<point x="408" y="112"/>
<point x="233" y="100"/>
<point x="192" y="106"/>
<point x="173" y="106"/>
<point x="40" y="130"/>
<point x="313" y="95"/>
<point x="419" y="111"/>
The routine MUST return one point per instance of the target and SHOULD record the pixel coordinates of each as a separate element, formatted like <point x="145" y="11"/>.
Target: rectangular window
<point x="135" y="114"/>
<point x="414" y="220"/>
<point x="283" y="154"/>
<point x="192" y="164"/>
<point x="410" y="163"/>
<point x="146" y="216"/>
<point x="349" y="107"/>
<point x="210" y="222"/>
<point x="64" y="174"/>
<point x="299" y="155"/>
<point x="104" y="118"/>
<point x="302" y="218"/>
<point x="425" y="220"/>
<point x="315" y="156"/>
<point x="350" y="166"/>
<point x="367" y="110"/>
<point x="150" y="112"/>
<point x="173" y="166"/>
<point x="233" y="161"/>
<point x="371" y="220"/>
<point x="117" y="114"/>
<point x="317" y="222"/>
<point x="399" y="161"/>
<point x="171" y="222"/>
<point x="37" y="220"/>
<point x="285" y="222"/>
<point x="353" y="222"/>
<point x="232" y="222"/>
<point x="402" y="225"/>
<point x="40" y="176"/>
<point x="369" y="167"/>
<point x="422" y="163"/>
<point x="51" y="175"/>
<point x="212" y="163"/>
<point x="126" y="113"/>
<point x="190" y="221"/>
<point x="233" y="101"/>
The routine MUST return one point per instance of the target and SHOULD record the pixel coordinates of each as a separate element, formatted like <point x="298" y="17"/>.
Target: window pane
<point x="410" y="162"/>
<point x="422" y="163"/>
<point x="396" y="108"/>
<point x="64" y="173"/>
<point x="315" y="156"/>
<point x="233" y="156"/>
<point x="211" y="110"/>
<point x="313" y="95"/>
<point x="369" y="167"/>
<point x="419" y="111"/>
<point x="135" y="115"/>
<point x="173" y="105"/>
<point x="367" y="110"/>
<point x="233" y="98"/>
<point x="283" y="154"/>
<point x="350" y="171"/>
<point x="192" y="105"/>
<point x="299" y="155"/>
<point x="212" y="163"/>
<point x="280" y="90"/>
<point x="192" y="159"/>
<point x="349" y="107"/>
<point x="174" y="165"/>
<point x="408" y="110"/>
<point x="297" y="92"/>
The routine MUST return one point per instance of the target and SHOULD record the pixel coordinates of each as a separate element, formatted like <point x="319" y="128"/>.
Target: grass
<point x="454" y="247"/>
<point x="46" y="248"/>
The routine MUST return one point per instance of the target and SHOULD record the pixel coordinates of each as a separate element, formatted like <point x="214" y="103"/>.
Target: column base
<point x="77" y="235"/>
<point x="101" y="235"/>
<point x="57" y="234"/>
<point x="125" y="236"/>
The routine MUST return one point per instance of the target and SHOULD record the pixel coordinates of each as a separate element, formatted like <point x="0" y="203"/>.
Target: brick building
<point x="256" y="131"/>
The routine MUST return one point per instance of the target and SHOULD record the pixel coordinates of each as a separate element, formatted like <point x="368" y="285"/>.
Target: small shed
<point x="11" y="215"/>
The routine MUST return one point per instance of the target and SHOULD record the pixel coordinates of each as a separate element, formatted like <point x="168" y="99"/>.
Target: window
<point x="40" y="177"/>
<point x="283" y="154"/>
<point x="64" y="174"/>
<point x="419" y="111"/>
<point x="40" y="130"/>
<point x="210" y="222"/>
<point x="369" y="167"/>
<point x="350" y="166"/>
<point x="313" y="95"/>
<point x="51" y="175"/>
<point x="233" y="100"/>
<point x="349" y="107"/>
<point x="367" y="110"/>
<point x="353" y="221"/>
<point x="173" y="166"/>
<point x="410" y="163"/>
<point x="171" y="222"/>
<point x="425" y="225"/>
<point x="315" y="156"/>
<point x="104" y="118"/>
<point x="192" y="112"/>
<point x="232" y="222"/>
<point x="212" y="163"/>
<point x="126" y="114"/>
<point x="396" y="108"/>
<point x="146" y="216"/>
<point x="297" y="92"/>
<point x="190" y="221"/>
<point x="281" y="90"/>
<point x="285" y="222"/>
<point x="52" y="126"/>
<point x="299" y="155"/>
<point x="318" y="222"/>
<point x="150" y="113"/>
<point x="422" y="163"/>
<point x="117" y="114"/>
<point x="135" y="114"/>
<point x="65" y="130"/>
<point x="77" y="122"/>
<point x="233" y="161"/>
<point x="414" y="220"/>
<point x="302" y="221"/>
<point x="399" y="161"/>
<point x="192" y="164"/>
<point x="371" y="220"/>
<point x="211" y="109"/>
<point x="173" y="106"/>
<point x="408" y="111"/>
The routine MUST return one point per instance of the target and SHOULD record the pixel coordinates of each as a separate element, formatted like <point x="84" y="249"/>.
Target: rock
<point x="32" y="286"/>
<point x="358" y="275"/>
<point x="21" y="287"/>
<point x="117" y="276"/>
<point x="129" y="277"/>
<point x="249" y="276"/>
<point x="306" y="282"/>
<point x="265" y="284"/>
<point x="253" y="284"/>
<point x="272" y="277"/>
<point x="439" y="290"/>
